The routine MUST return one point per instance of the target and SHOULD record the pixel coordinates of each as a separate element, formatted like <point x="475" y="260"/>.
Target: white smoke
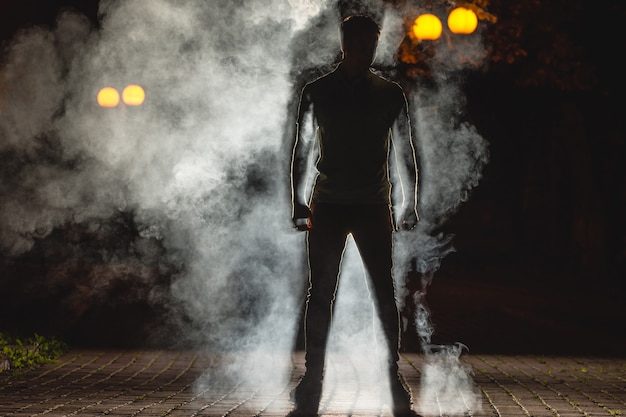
<point x="446" y="386"/>
<point x="452" y="155"/>
<point x="201" y="166"/>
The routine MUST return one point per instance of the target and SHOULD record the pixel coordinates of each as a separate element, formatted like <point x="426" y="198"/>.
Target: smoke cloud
<point x="199" y="172"/>
<point x="452" y="155"/>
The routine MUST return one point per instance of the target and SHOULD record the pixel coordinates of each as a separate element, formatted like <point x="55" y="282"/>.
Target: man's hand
<point x="301" y="216"/>
<point x="408" y="220"/>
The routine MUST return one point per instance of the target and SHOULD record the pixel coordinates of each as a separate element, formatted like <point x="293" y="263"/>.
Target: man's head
<point x="359" y="38"/>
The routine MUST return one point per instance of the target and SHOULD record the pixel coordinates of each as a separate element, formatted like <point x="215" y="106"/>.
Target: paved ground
<point x="192" y="383"/>
<point x="533" y="351"/>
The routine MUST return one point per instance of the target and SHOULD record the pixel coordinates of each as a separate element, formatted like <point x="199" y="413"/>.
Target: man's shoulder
<point x="385" y="82"/>
<point x="321" y="87"/>
<point x="388" y="89"/>
<point x="323" y="81"/>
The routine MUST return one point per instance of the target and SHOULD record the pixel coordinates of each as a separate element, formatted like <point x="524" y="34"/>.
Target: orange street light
<point x="108" y="97"/>
<point x="427" y="27"/>
<point x="133" y="95"/>
<point x="462" y="21"/>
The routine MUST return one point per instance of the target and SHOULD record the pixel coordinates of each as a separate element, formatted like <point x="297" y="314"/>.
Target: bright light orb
<point x="133" y="95"/>
<point x="462" y="21"/>
<point x="108" y="97"/>
<point x="427" y="27"/>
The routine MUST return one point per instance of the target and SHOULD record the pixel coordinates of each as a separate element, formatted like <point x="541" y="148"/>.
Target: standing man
<point x="354" y="121"/>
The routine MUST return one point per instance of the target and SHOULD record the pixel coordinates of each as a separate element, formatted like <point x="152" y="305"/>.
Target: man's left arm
<point x="406" y="161"/>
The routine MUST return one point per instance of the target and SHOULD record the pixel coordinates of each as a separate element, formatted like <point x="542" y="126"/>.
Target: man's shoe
<point x="301" y="413"/>
<point x="401" y="399"/>
<point x="409" y="413"/>
<point x="306" y="397"/>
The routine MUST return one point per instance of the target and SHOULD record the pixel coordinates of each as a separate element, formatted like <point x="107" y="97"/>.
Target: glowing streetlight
<point x="108" y="97"/>
<point x="133" y="95"/>
<point x="427" y="27"/>
<point x="462" y="21"/>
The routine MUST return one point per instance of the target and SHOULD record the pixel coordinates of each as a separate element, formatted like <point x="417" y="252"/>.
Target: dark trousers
<point x="371" y="227"/>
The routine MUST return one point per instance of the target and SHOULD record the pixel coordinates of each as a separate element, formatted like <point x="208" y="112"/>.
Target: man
<point x="355" y="121"/>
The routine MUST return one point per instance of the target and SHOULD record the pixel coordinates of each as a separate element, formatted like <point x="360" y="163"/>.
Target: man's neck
<point x="352" y="71"/>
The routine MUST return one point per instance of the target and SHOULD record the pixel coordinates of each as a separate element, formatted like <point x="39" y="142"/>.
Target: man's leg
<point x="326" y="243"/>
<point x="373" y="236"/>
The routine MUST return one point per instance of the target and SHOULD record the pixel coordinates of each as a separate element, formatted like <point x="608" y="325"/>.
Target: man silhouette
<point x="354" y="121"/>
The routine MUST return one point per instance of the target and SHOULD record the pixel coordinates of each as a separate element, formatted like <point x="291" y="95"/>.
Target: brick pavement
<point x="194" y="383"/>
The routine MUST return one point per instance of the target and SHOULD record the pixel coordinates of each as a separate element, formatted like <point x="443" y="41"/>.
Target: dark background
<point x="541" y="243"/>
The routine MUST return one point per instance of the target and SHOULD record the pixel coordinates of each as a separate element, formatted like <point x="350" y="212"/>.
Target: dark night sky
<point x="17" y="14"/>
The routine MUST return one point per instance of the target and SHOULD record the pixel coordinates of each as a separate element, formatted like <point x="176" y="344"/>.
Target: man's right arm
<point x="300" y="160"/>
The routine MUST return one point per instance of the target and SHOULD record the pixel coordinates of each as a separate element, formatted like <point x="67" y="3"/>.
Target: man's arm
<point x="406" y="164"/>
<point x="300" y="160"/>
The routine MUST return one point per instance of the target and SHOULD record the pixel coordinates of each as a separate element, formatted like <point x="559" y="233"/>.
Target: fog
<point x="201" y="168"/>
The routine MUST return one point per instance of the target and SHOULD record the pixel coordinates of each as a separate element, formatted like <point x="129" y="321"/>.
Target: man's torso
<point x="354" y="118"/>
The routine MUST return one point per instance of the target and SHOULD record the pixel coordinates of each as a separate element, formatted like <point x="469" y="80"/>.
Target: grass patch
<point x="19" y="355"/>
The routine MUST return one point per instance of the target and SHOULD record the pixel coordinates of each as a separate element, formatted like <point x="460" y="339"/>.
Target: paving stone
<point x="171" y="383"/>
